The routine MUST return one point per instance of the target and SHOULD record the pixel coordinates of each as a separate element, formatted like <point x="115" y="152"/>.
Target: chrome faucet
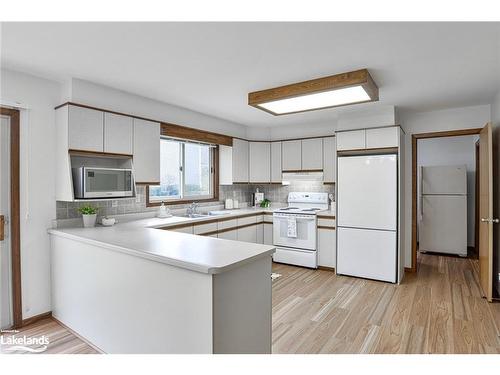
<point x="192" y="209"/>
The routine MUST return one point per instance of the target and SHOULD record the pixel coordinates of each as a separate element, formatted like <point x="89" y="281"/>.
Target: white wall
<point x="38" y="206"/>
<point x="454" y="151"/>
<point x="85" y="92"/>
<point x="495" y="119"/>
<point x="448" y="119"/>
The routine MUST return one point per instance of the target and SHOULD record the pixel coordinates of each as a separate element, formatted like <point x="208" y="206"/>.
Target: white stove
<point x="294" y="229"/>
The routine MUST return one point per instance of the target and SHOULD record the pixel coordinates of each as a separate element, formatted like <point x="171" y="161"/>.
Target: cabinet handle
<point x="2" y="227"/>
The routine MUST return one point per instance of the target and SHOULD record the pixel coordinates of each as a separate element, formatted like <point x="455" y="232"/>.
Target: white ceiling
<point x="211" y="67"/>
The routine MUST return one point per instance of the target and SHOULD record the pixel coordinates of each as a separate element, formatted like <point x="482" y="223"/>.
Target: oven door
<point x="107" y="182"/>
<point x="306" y="231"/>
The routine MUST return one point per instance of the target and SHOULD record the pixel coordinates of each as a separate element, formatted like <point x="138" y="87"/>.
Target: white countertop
<point x="197" y="253"/>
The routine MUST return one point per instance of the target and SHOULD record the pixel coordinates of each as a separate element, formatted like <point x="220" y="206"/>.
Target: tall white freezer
<point x="443" y="209"/>
<point x="367" y="216"/>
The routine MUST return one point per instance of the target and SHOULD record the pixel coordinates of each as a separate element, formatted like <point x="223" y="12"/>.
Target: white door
<point x="443" y="227"/>
<point x="5" y="251"/>
<point x="367" y="253"/>
<point x="260" y="162"/>
<point x="291" y="155"/>
<point x="367" y="192"/>
<point x="275" y="161"/>
<point x="444" y="180"/>
<point x="240" y="160"/>
<point x="118" y="134"/>
<point x="146" y="151"/>
<point x="312" y="153"/>
<point x="86" y="129"/>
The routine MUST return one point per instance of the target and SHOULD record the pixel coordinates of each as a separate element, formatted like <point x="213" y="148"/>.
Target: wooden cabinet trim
<point x="184" y="132"/>
<point x="325" y="227"/>
<point x="301" y="170"/>
<point x="325" y="217"/>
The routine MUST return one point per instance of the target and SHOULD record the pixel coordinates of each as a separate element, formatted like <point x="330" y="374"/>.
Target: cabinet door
<point x="146" y="151"/>
<point x="86" y="129"/>
<point x="260" y="162"/>
<point x="268" y="233"/>
<point x="326" y="247"/>
<point x="248" y="234"/>
<point x="118" y="134"/>
<point x="351" y="140"/>
<point x="312" y="154"/>
<point x="329" y="159"/>
<point x="229" y="235"/>
<point x="291" y="155"/>
<point x="382" y="137"/>
<point x="240" y="160"/>
<point x="183" y="230"/>
<point x="276" y="162"/>
<point x="260" y="234"/>
<point x="225" y="165"/>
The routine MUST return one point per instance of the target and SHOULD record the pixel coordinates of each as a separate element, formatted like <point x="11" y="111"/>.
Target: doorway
<point x="485" y="191"/>
<point x="10" y="257"/>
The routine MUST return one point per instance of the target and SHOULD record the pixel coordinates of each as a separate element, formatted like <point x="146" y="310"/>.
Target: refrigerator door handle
<point x="421" y="192"/>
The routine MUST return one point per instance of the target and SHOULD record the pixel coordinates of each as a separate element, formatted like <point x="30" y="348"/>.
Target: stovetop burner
<point x="311" y="209"/>
<point x="289" y="208"/>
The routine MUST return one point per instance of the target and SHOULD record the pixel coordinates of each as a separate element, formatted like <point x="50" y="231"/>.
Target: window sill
<point x="181" y="201"/>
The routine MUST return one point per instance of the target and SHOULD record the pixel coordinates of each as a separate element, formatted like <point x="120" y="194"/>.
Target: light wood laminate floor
<point x="438" y="310"/>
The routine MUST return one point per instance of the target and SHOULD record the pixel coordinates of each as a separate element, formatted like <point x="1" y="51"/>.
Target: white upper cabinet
<point x="351" y="140"/>
<point x="240" y="160"/>
<point x="86" y="129"/>
<point x="225" y="165"/>
<point x="118" y="134"/>
<point x="260" y="162"/>
<point x="312" y="154"/>
<point x="329" y="159"/>
<point x="276" y="162"/>
<point x="382" y="137"/>
<point x="146" y="151"/>
<point x="291" y="155"/>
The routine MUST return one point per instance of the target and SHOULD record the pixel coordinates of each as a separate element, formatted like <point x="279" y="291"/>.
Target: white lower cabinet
<point x="327" y="241"/>
<point x="248" y="234"/>
<point x="268" y="234"/>
<point x="183" y="229"/>
<point x="229" y="235"/>
<point x="260" y="233"/>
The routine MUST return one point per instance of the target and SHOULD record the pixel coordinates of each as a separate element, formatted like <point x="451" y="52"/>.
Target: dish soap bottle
<point x="163" y="211"/>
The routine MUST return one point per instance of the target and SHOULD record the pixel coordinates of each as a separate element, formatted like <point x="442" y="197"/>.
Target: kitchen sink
<point x="193" y="216"/>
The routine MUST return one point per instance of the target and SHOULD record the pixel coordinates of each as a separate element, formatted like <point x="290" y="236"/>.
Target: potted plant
<point x="89" y="215"/>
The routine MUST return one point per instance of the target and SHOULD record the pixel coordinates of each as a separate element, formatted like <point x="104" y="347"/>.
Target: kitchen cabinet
<point x="268" y="233"/>
<point x="85" y="129"/>
<point x="229" y="235"/>
<point x="248" y="234"/>
<point x="259" y="162"/>
<point x="327" y="247"/>
<point x="260" y="233"/>
<point x="382" y="137"/>
<point x="240" y="160"/>
<point x="276" y="162"/>
<point x="312" y="154"/>
<point x="225" y="165"/>
<point x="146" y="151"/>
<point x="188" y="229"/>
<point x="291" y="155"/>
<point x="351" y="140"/>
<point x="329" y="160"/>
<point x="118" y="133"/>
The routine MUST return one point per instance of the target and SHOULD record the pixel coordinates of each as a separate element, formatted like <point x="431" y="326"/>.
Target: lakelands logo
<point x="24" y="343"/>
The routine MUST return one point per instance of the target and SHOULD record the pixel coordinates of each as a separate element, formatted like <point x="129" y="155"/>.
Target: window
<point x="187" y="172"/>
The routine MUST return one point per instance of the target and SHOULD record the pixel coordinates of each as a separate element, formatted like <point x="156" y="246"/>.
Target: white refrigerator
<point x="367" y="216"/>
<point x="443" y="209"/>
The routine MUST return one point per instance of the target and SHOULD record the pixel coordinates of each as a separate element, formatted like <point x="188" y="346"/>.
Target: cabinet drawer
<point x="205" y="228"/>
<point x="229" y="235"/>
<point x="259" y="219"/>
<point x="268" y="218"/>
<point x="247" y="220"/>
<point x="326" y="222"/>
<point x="227" y="224"/>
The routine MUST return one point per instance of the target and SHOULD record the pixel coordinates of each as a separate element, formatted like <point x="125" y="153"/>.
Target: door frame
<point x="15" y="214"/>
<point x="414" y="158"/>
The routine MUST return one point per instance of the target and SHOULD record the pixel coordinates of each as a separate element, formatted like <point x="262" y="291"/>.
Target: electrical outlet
<point x="114" y="203"/>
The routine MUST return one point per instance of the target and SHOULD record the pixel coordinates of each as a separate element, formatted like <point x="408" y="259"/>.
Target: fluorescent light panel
<point x="318" y="100"/>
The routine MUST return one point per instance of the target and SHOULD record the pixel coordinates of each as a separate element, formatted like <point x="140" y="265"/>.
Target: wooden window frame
<point x="215" y="198"/>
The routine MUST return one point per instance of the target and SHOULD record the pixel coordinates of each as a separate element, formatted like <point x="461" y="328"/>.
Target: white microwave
<point x="92" y="183"/>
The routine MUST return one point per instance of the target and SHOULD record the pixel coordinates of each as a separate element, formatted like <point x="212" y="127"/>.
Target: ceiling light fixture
<point x="327" y="92"/>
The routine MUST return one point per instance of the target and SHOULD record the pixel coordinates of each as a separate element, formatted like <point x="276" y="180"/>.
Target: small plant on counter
<point x="89" y="215"/>
<point x="265" y="203"/>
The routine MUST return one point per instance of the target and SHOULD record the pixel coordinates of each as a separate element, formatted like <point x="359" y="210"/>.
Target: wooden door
<point x="486" y="211"/>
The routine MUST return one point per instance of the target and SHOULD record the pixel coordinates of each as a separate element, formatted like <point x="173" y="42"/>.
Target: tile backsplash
<point x="275" y="193"/>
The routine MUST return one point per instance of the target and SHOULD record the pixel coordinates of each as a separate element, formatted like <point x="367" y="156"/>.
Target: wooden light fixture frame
<point x="338" y="81"/>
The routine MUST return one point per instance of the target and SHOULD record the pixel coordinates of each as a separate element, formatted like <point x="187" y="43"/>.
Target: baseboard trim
<point x="324" y="268"/>
<point x="36" y="318"/>
<point x="80" y="336"/>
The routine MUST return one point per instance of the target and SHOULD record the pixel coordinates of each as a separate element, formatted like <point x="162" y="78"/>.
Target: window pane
<point x="196" y="170"/>
<point x="170" y="176"/>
